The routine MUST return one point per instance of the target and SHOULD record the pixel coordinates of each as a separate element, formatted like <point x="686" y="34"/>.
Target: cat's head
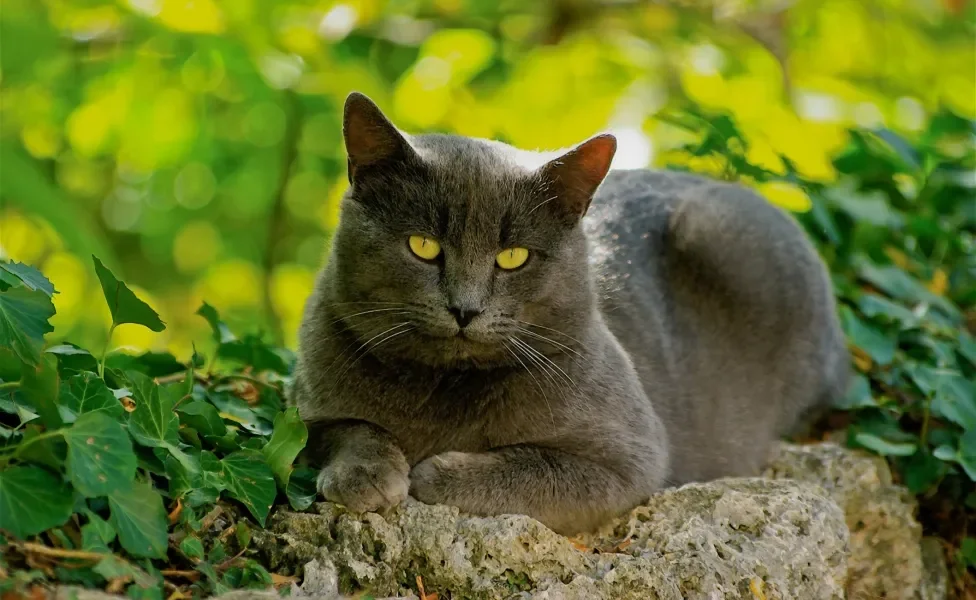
<point x="458" y="251"/>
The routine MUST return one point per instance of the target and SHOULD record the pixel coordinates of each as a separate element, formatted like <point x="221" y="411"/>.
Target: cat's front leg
<point x="362" y="467"/>
<point x="566" y="492"/>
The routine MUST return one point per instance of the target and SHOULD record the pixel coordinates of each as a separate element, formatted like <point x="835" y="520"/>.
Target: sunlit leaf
<point x="221" y="333"/>
<point x="286" y="442"/>
<point x="123" y="304"/>
<point x="786" y="196"/>
<point x="29" y="276"/>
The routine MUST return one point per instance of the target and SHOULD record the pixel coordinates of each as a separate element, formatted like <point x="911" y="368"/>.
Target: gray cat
<point x="473" y="341"/>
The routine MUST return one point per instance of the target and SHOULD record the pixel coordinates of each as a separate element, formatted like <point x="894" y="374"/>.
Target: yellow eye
<point x="424" y="247"/>
<point x="512" y="258"/>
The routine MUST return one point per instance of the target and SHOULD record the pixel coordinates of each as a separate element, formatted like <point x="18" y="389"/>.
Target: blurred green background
<point x="195" y="145"/>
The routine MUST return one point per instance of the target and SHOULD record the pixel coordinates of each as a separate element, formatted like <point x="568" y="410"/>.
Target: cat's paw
<point x="365" y="486"/>
<point x="436" y="479"/>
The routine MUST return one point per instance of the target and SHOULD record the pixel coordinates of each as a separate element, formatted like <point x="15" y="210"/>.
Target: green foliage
<point x="97" y="459"/>
<point x="123" y="304"/>
<point x="129" y="453"/>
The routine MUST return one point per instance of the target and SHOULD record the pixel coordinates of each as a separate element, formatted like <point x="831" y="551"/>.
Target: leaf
<point x="32" y="500"/>
<point x="967" y="453"/>
<point x="250" y="482"/>
<point x="123" y="304"/>
<point x="100" y="456"/>
<point x="286" y="442"/>
<point x="112" y="567"/>
<point x="301" y="490"/>
<point x="858" y="395"/>
<point x="31" y="277"/>
<point x="922" y="471"/>
<point x="192" y="547"/>
<point x="40" y="387"/>
<point x="49" y="451"/>
<point x="955" y="400"/>
<point x="153" y="423"/>
<point x="86" y="393"/>
<point x="24" y="318"/>
<point x="250" y="350"/>
<point x="967" y="550"/>
<point x="873" y="305"/>
<point x="101" y="527"/>
<point x="234" y="409"/>
<point x="138" y="515"/>
<point x="221" y="333"/>
<point x="73" y="358"/>
<point x="879" y="346"/>
<point x="884" y="447"/>
<point x="786" y="196"/>
<point x="203" y="417"/>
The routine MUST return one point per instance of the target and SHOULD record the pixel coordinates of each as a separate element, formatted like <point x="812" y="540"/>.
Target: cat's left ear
<point x="574" y="176"/>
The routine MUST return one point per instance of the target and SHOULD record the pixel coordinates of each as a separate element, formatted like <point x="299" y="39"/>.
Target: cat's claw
<point x="363" y="486"/>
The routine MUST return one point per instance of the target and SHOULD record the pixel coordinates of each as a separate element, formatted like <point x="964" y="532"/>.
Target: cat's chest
<point x="463" y="412"/>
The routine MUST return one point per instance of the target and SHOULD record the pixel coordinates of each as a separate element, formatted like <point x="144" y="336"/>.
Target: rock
<point x="825" y="522"/>
<point x="886" y="554"/>
<point x="746" y="538"/>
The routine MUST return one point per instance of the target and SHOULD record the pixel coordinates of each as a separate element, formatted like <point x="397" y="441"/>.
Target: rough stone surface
<point x="886" y="554"/>
<point x="747" y="538"/>
<point x="825" y="522"/>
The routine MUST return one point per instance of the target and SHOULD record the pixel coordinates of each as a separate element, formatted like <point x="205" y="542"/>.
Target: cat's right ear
<point x="371" y="139"/>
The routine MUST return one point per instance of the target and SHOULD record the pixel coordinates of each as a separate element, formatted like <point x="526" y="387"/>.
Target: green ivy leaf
<point x="967" y="453"/>
<point x="101" y="527"/>
<point x="113" y="567"/>
<point x="884" y="447"/>
<point x="30" y="277"/>
<point x="967" y="549"/>
<point x="221" y="333"/>
<point x="858" y="395"/>
<point x="138" y="515"/>
<point x="250" y="482"/>
<point x="49" y="451"/>
<point x="192" y="547"/>
<point x="100" y="456"/>
<point x="24" y="318"/>
<point x="286" y="442"/>
<point x="302" y="490"/>
<point x="86" y="393"/>
<point x="32" y="500"/>
<point x="873" y="305"/>
<point x="39" y="384"/>
<point x="879" y="346"/>
<point x="922" y="471"/>
<point x="251" y="350"/>
<point x="153" y="423"/>
<point x="123" y="304"/>
<point x="203" y="417"/>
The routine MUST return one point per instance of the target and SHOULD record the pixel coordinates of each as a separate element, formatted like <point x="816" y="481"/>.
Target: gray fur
<point x="669" y="336"/>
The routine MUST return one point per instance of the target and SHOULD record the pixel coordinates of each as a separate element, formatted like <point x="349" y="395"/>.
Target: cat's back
<point x="725" y="309"/>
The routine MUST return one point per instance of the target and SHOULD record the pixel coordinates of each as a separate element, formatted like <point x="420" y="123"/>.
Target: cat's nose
<point x="463" y="315"/>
